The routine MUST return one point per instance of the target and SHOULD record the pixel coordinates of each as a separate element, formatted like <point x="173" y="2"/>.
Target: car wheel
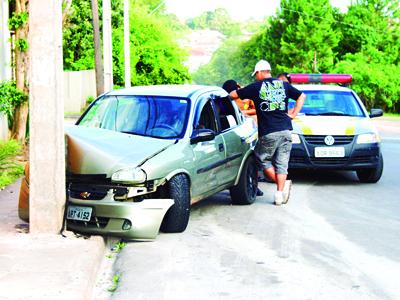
<point x="371" y="175"/>
<point x="245" y="191"/>
<point x="177" y="217"/>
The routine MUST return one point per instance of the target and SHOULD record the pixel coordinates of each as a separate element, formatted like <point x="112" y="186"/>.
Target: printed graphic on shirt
<point x="273" y="95"/>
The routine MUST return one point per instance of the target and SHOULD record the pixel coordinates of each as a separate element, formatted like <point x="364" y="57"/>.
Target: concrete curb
<point x="49" y="266"/>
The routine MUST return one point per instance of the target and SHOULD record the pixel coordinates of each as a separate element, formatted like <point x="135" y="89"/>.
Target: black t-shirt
<point x="271" y="98"/>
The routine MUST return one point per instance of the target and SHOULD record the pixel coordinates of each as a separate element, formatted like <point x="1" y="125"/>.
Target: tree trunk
<point x="97" y="49"/>
<point x="21" y="75"/>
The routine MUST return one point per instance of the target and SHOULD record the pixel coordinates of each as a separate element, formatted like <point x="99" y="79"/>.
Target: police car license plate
<point x="329" y="151"/>
<point x="79" y="213"/>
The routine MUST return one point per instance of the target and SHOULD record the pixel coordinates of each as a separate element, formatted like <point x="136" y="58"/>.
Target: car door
<point x="208" y="156"/>
<point x="232" y="133"/>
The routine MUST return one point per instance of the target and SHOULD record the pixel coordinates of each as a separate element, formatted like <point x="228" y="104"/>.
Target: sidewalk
<point x="44" y="266"/>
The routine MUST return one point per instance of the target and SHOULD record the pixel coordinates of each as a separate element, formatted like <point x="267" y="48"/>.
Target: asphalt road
<point x="335" y="239"/>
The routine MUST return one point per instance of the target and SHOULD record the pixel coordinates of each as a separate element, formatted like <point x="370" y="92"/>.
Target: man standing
<point x="271" y="97"/>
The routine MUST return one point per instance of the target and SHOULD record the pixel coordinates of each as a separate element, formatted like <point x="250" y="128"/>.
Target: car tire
<point x="177" y="217"/>
<point x="371" y="175"/>
<point x="245" y="191"/>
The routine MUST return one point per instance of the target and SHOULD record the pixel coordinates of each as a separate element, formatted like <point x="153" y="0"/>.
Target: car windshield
<point x="154" y="116"/>
<point x="330" y="103"/>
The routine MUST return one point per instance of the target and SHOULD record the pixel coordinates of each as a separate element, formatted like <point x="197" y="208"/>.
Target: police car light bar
<point x="321" y="78"/>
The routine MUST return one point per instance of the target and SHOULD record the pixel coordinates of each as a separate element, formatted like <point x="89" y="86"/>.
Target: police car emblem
<point x="329" y="140"/>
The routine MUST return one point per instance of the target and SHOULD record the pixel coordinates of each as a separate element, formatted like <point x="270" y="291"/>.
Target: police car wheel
<point x="371" y="175"/>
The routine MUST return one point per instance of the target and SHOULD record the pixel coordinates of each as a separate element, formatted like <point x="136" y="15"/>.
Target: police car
<point x="334" y="130"/>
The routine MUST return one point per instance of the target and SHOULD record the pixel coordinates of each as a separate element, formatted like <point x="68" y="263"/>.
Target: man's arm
<point x="234" y="95"/>
<point x="299" y="105"/>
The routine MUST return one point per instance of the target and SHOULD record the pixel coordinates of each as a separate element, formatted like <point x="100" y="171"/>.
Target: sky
<point x="238" y="9"/>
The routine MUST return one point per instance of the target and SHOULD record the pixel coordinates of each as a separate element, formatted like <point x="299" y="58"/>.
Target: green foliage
<point x="22" y="44"/>
<point x="376" y="86"/>
<point x="155" y="57"/>
<point x="371" y="25"/>
<point x="10" y="98"/>
<point x="78" y="45"/>
<point x="17" y="20"/>
<point x="9" y="169"/>
<point x="115" y="281"/>
<point x="364" y="42"/>
<point x="218" y="19"/>
<point x="118" y="247"/>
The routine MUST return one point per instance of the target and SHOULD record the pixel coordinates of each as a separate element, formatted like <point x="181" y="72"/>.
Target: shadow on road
<point x="323" y="177"/>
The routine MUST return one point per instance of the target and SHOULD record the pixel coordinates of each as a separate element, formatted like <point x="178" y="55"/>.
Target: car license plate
<point x="79" y="213"/>
<point x="329" y="152"/>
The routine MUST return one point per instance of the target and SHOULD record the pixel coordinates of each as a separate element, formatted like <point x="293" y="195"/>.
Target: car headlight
<point x="368" y="138"/>
<point x="295" y="139"/>
<point x="129" y="175"/>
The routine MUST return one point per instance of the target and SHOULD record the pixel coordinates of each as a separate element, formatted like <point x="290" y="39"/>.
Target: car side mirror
<point x="202" y="135"/>
<point x="376" y="112"/>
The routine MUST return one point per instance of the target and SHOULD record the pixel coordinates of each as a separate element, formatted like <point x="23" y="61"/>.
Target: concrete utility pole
<point x="107" y="46"/>
<point x="127" y="49"/>
<point x="46" y="108"/>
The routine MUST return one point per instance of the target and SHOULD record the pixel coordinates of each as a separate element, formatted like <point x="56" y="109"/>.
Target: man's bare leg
<point x="270" y="173"/>
<point x="280" y="181"/>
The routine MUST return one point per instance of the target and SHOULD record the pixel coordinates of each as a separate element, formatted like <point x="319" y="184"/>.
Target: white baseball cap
<point x="262" y="65"/>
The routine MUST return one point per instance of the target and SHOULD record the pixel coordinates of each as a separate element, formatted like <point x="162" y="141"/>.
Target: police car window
<point x="330" y="103"/>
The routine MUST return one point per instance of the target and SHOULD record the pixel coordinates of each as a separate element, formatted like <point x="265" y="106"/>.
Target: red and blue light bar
<point x="321" y="78"/>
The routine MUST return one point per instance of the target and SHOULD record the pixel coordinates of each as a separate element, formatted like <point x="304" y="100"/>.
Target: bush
<point x="10" y="98"/>
<point x="10" y="170"/>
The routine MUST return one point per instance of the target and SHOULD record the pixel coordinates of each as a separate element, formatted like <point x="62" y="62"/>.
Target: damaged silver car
<point x="139" y="157"/>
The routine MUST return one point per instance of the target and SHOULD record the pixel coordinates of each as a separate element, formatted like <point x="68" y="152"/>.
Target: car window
<point x="101" y="114"/>
<point x="207" y="118"/>
<point x="226" y="113"/>
<point x="330" y="103"/>
<point x="161" y="117"/>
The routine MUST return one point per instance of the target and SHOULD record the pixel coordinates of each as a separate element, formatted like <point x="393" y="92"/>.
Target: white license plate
<point x="79" y="213"/>
<point x="329" y="152"/>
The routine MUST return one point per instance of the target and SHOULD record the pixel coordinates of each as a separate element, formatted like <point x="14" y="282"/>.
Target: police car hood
<point x="332" y="125"/>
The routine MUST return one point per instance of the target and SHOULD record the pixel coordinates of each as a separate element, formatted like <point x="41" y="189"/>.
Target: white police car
<point x="333" y="130"/>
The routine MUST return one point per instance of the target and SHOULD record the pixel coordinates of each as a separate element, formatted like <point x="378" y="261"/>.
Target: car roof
<point x="321" y="87"/>
<point x="178" y="90"/>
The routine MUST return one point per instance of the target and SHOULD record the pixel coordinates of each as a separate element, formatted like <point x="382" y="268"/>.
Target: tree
<point x="218" y="19"/>
<point x="19" y="24"/>
<point x="155" y="57"/>
<point x="99" y="69"/>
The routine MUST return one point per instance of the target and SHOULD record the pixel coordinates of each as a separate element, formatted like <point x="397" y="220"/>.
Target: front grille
<point x="329" y="161"/>
<point x="364" y="159"/>
<point x="92" y="186"/>
<point x="95" y="222"/>
<point x="87" y="192"/>
<point x="319" y="139"/>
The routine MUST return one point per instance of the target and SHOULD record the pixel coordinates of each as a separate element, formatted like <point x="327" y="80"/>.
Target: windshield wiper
<point x="131" y="132"/>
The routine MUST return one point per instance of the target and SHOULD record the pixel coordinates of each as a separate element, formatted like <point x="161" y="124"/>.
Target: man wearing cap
<point x="271" y="96"/>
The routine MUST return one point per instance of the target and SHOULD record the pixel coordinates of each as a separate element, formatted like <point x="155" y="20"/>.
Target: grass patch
<point x="10" y="169"/>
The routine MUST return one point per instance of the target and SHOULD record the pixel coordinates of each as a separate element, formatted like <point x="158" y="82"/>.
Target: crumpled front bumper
<point x="131" y="220"/>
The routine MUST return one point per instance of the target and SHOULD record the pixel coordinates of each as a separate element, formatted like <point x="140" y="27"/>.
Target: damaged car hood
<point x="101" y="151"/>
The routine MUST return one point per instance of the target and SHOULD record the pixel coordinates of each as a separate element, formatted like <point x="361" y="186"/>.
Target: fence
<point x="78" y="86"/>
<point x="3" y="127"/>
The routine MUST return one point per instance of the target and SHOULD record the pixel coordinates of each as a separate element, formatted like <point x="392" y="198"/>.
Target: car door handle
<point x="221" y="147"/>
